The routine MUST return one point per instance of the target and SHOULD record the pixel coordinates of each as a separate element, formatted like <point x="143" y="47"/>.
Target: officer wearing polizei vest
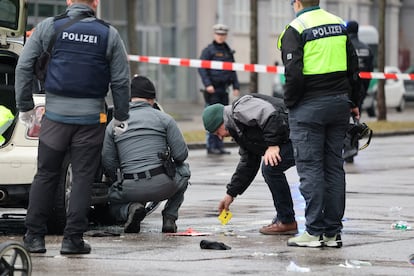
<point x="322" y="88"/>
<point x="364" y="53"/>
<point x="88" y="57"/>
<point x="366" y="64"/>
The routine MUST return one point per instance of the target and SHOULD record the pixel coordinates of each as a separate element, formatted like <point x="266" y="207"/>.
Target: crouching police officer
<point x="150" y="159"/>
<point x="258" y="124"/>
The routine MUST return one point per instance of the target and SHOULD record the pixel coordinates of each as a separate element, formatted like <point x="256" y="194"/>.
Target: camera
<point x="355" y="132"/>
<point x="359" y="130"/>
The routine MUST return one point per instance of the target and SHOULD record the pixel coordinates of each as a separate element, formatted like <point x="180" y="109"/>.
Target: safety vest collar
<point x="306" y="10"/>
<point x="318" y="17"/>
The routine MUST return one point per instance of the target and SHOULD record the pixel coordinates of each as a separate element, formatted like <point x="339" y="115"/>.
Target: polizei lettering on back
<point x="326" y="31"/>
<point x="83" y="38"/>
<point x="323" y="31"/>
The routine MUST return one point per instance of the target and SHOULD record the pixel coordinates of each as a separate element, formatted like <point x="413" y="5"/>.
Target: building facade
<point x="182" y="28"/>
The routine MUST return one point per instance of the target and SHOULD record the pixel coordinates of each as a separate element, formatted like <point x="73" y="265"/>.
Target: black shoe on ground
<point x="223" y="151"/>
<point x="213" y="151"/>
<point x="34" y="244"/>
<point x="74" y="245"/>
<point x="217" y="151"/>
<point x="136" y="213"/>
<point x="168" y="225"/>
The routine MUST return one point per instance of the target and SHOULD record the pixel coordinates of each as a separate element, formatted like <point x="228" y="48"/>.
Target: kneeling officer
<point x="259" y="125"/>
<point x="149" y="158"/>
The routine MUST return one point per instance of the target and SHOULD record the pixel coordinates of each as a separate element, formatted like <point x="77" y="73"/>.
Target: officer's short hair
<point x="220" y="29"/>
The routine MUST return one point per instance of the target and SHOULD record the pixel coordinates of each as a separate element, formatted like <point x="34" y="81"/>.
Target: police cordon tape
<point x="259" y="68"/>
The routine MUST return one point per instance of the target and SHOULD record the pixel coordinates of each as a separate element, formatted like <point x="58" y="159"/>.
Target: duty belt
<point x="146" y="174"/>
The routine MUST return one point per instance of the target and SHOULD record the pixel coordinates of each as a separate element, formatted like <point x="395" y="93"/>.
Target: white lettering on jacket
<point x="84" y="38"/>
<point x="326" y="31"/>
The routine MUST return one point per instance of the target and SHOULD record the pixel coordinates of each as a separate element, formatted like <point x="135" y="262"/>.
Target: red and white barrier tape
<point x="259" y="68"/>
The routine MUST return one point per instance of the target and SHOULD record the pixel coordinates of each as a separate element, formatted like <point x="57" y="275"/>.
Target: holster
<point x="167" y="163"/>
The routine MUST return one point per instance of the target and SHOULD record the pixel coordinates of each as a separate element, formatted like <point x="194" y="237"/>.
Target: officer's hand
<point x="225" y="203"/>
<point x="120" y="127"/>
<point x="27" y="118"/>
<point x="272" y="156"/>
<point x="236" y="92"/>
<point x="355" y="112"/>
<point x="210" y="89"/>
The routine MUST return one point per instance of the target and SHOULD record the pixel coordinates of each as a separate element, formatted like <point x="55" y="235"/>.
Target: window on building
<point x="40" y="9"/>
<point x="46" y="10"/>
<point x="281" y="13"/>
<point x="241" y="15"/>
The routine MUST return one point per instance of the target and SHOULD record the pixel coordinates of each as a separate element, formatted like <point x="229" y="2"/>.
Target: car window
<point x="9" y="14"/>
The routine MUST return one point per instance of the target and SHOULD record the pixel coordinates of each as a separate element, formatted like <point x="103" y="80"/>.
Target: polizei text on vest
<point x="85" y="38"/>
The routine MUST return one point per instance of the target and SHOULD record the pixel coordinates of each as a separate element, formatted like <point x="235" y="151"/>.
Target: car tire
<point x="57" y="219"/>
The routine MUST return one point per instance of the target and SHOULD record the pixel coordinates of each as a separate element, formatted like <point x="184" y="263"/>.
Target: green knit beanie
<point x="213" y="117"/>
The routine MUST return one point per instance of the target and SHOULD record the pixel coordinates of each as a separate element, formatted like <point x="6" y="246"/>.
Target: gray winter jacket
<point x="255" y="124"/>
<point x="149" y="132"/>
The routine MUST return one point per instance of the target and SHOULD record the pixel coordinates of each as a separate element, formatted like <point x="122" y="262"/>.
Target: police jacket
<point x="107" y="63"/>
<point x="149" y="132"/>
<point x="79" y="53"/>
<point x="255" y="124"/>
<point x="319" y="58"/>
<point x="365" y="59"/>
<point x="364" y="53"/>
<point x="218" y="52"/>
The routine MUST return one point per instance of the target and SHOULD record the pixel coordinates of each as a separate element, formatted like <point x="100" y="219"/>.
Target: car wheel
<point x="401" y="106"/>
<point x="57" y="219"/>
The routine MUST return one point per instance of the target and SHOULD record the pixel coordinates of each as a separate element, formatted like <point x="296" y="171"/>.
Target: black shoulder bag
<point x="40" y="66"/>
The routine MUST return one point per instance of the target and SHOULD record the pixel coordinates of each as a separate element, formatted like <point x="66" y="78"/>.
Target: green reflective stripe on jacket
<point x="279" y="41"/>
<point x="324" y="38"/>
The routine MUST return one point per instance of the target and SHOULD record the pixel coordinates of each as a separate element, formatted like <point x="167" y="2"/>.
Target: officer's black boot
<point x="74" y="245"/>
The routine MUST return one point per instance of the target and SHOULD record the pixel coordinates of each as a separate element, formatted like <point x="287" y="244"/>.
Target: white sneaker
<point x="305" y="240"/>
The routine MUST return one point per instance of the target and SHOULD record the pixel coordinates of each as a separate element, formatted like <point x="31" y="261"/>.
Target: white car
<point x="18" y="154"/>
<point x="394" y="93"/>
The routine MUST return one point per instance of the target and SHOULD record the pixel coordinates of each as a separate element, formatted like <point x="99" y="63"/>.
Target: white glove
<point x="120" y="127"/>
<point x="27" y="118"/>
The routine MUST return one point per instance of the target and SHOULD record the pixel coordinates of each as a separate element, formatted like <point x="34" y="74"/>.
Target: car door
<point x="394" y="90"/>
<point x="12" y="19"/>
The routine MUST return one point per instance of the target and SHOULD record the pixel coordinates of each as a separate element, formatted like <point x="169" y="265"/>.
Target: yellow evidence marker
<point x="225" y="217"/>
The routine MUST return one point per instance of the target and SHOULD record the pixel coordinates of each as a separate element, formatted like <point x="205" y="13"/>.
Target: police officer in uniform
<point x="217" y="82"/>
<point x="365" y="56"/>
<point x="88" y="57"/>
<point x="145" y="156"/>
<point x="366" y="64"/>
<point x="322" y="88"/>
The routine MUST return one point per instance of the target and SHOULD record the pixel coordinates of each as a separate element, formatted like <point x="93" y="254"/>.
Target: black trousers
<point x="84" y="144"/>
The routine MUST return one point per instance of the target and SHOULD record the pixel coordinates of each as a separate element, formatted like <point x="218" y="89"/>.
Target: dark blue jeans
<point x="317" y="131"/>
<point x="276" y="180"/>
